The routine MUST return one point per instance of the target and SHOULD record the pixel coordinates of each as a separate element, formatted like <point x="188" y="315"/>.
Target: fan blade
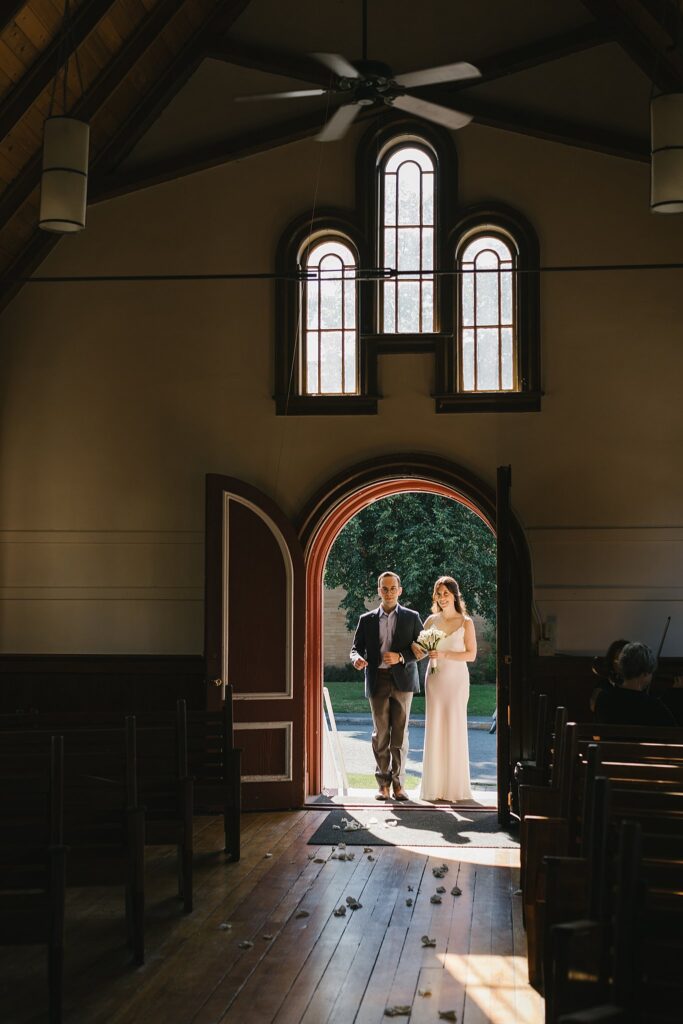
<point x="433" y="76"/>
<point x="338" y="124"/>
<point x="293" y="94"/>
<point x="432" y="112"/>
<point x="341" y="67"/>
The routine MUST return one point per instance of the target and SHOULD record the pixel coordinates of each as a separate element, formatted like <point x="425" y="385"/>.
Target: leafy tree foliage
<point x="421" y="537"/>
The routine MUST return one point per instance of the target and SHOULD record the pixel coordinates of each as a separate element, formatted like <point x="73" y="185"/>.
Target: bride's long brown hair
<point x="451" y="584"/>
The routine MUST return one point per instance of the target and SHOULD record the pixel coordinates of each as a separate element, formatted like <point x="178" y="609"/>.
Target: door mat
<point x="433" y="827"/>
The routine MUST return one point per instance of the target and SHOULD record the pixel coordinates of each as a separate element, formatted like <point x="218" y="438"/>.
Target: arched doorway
<point x="342" y="498"/>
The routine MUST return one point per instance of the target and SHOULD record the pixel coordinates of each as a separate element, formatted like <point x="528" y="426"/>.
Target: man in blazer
<point x="382" y="646"/>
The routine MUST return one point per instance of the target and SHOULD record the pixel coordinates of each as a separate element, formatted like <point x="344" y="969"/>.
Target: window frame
<point x="361" y="229"/>
<point x="490" y="219"/>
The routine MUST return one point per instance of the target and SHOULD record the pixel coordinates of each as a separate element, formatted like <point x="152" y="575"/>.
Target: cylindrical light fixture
<point x="666" y="170"/>
<point x="64" y="182"/>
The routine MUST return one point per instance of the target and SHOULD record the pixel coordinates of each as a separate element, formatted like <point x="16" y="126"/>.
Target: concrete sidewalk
<point x="416" y="721"/>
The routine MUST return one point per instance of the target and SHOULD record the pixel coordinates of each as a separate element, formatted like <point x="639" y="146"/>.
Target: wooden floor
<point x="311" y="967"/>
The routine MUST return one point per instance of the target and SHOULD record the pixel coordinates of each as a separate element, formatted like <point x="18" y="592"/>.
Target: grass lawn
<point x="348" y="698"/>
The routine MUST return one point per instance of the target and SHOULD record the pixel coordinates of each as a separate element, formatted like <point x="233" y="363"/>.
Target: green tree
<point x="421" y="537"/>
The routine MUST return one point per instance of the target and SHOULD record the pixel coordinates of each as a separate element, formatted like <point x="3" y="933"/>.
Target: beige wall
<point x="116" y="399"/>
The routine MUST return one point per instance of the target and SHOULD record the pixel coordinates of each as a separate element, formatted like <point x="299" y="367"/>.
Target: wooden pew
<point x="581" y="887"/>
<point x="32" y="859"/>
<point x="213" y="764"/>
<point x="104" y="827"/>
<point x="556" y="831"/>
<point x="634" y="955"/>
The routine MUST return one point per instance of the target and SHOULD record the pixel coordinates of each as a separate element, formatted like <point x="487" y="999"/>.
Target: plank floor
<point x="303" y="965"/>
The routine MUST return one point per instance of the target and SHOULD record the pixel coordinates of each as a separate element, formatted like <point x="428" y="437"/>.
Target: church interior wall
<point x="118" y="398"/>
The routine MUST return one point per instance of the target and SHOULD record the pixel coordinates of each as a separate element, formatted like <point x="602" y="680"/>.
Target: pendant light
<point x="666" y="169"/>
<point x="64" y="180"/>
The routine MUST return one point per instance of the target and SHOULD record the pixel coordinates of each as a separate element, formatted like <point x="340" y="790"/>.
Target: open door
<point x="504" y="554"/>
<point x="255" y="636"/>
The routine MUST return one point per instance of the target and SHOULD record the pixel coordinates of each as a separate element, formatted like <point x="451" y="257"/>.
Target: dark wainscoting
<point x="100" y="682"/>
<point x="569" y="681"/>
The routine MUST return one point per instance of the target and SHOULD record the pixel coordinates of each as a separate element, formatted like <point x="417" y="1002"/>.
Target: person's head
<point x="612" y="658"/>
<point x="446" y="594"/>
<point x="636" y="665"/>
<point x="389" y="589"/>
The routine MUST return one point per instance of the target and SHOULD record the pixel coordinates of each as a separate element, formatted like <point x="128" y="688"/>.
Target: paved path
<point x="354" y="733"/>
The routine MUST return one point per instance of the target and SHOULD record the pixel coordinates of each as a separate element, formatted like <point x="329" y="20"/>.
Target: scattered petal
<point x="447" y="1015"/>
<point x="411" y="888"/>
<point x="311" y="856"/>
<point x="341" y="846"/>
<point x="245" y="944"/>
<point x="441" y="888"/>
<point x="353" y="903"/>
<point x="368" y="849"/>
<point x="424" y="991"/>
<point x="370" y="857"/>
<point x="319" y="860"/>
<point x="340" y="911"/>
<point x="268" y="855"/>
<point x="456" y="891"/>
<point x="225" y="926"/>
<point x="409" y="902"/>
<point x="397" y="1011"/>
<point x="267" y="937"/>
<point x="372" y="821"/>
<point x="435" y="899"/>
<point x="337" y="827"/>
<point x="302" y="913"/>
<point x="426" y="941"/>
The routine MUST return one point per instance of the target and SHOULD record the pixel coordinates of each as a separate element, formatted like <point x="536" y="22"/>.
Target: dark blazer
<point x="366" y="645"/>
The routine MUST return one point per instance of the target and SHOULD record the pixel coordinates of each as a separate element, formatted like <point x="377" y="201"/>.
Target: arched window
<point x="487" y="325"/>
<point x="407" y="239"/>
<point x="407" y="270"/>
<point x="329" y="320"/>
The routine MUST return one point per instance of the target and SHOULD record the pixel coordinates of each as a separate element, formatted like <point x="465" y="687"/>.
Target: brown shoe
<point x="382" y="793"/>
<point x="400" y="794"/>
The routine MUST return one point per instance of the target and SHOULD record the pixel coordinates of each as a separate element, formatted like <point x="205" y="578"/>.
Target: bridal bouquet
<point x="429" y="640"/>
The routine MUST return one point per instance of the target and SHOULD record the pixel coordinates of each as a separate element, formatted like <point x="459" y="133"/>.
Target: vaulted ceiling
<point x="157" y="80"/>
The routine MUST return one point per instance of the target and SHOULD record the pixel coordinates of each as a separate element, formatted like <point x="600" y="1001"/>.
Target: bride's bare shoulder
<point x="430" y="620"/>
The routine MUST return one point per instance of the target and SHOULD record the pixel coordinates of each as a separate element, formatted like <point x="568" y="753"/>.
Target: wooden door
<point x="255" y="636"/>
<point x="504" y="556"/>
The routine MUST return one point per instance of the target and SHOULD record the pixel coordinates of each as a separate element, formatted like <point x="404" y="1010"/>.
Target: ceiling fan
<point x="362" y="83"/>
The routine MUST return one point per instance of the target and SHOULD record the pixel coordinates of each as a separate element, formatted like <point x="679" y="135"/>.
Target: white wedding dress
<point x="446" y="761"/>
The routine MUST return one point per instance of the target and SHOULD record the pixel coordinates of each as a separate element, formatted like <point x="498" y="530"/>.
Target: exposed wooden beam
<point x="9" y="13"/>
<point x="531" y="55"/>
<point x="104" y="85"/>
<point x="48" y="64"/>
<point x="642" y="30"/>
<point x="213" y="155"/>
<point x="551" y="128"/>
<point x="168" y="84"/>
<point x="40" y="244"/>
<point x="249" y="143"/>
<point x="258" y="58"/>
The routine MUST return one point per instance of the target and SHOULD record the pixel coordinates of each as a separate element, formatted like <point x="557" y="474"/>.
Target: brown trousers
<point x="390" y="710"/>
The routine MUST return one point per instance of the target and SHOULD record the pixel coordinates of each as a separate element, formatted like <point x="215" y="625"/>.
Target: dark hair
<point x="388" y="573"/>
<point x="451" y="584"/>
<point x="612" y="655"/>
<point x="636" y="660"/>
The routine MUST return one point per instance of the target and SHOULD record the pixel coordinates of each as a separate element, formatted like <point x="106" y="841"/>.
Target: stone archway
<point x="342" y="498"/>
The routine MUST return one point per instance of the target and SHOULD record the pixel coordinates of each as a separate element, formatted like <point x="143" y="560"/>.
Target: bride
<point x="446" y="764"/>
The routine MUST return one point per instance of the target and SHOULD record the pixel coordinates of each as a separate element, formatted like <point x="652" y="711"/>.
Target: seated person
<point x="606" y="669"/>
<point x="673" y="699"/>
<point x="627" y="703"/>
